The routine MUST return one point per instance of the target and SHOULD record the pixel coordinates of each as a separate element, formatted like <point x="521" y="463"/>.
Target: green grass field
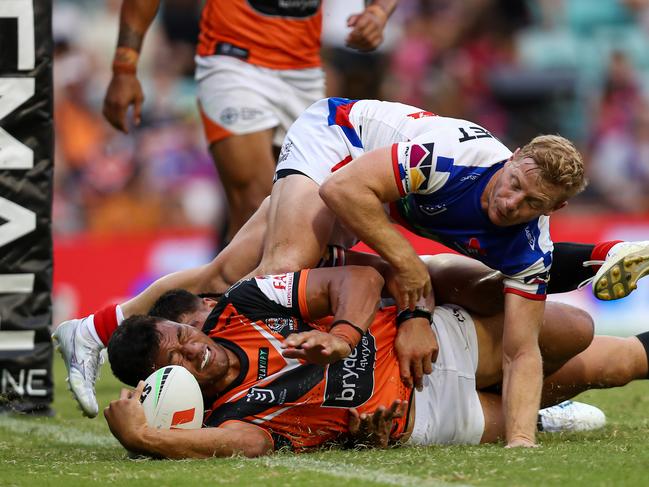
<point x="71" y="450"/>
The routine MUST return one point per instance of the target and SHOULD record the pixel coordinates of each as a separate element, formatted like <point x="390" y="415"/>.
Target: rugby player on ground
<point x="321" y="324"/>
<point x="471" y="174"/>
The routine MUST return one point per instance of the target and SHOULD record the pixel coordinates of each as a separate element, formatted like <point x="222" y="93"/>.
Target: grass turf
<point x="71" y="450"/>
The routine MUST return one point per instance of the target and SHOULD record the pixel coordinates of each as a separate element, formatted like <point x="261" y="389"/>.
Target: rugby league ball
<point x="172" y="398"/>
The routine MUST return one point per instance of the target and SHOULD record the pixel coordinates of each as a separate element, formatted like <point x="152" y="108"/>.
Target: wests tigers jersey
<point x="270" y="33"/>
<point x="301" y="405"/>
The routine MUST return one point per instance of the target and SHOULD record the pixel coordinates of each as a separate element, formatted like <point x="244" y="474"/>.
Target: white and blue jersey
<point x="441" y="167"/>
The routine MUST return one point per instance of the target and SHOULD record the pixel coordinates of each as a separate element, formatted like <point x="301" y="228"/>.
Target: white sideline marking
<point x="56" y="433"/>
<point x="349" y="472"/>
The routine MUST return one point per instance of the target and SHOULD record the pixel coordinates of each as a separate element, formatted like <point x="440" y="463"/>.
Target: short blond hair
<point x="559" y="162"/>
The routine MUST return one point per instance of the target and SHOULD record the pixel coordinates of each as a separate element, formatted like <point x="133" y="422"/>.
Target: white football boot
<point x="81" y="354"/>
<point x="570" y="416"/>
<point x="619" y="274"/>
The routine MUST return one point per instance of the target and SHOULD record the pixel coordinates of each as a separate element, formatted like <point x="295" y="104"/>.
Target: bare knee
<point x="566" y="332"/>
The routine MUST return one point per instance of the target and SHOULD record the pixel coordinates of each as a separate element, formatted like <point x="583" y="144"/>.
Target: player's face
<point x="519" y="195"/>
<point x="185" y="345"/>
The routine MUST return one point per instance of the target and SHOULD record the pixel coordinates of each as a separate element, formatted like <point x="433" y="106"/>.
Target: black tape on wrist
<point x="418" y="312"/>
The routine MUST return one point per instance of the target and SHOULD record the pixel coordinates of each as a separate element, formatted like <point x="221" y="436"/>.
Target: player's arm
<point x="356" y="194"/>
<point x="124" y="88"/>
<point x="352" y="295"/>
<point x="367" y="26"/>
<point x="522" y="368"/>
<point x="126" y="420"/>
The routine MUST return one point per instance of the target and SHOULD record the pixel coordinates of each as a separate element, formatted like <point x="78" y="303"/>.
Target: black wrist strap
<point x="345" y="322"/>
<point x="418" y="312"/>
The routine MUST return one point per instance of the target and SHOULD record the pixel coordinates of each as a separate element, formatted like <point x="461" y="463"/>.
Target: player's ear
<point x="556" y="207"/>
<point x="515" y="154"/>
<point x="209" y="302"/>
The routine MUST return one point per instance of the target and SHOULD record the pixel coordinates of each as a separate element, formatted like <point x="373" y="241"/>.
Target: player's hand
<point x="374" y="429"/>
<point x="367" y="28"/>
<point x="125" y="417"/>
<point x="123" y="91"/>
<point x="413" y="283"/>
<point x="417" y="349"/>
<point x="315" y="347"/>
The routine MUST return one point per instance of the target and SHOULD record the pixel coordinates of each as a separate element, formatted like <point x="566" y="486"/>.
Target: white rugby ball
<point x="172" y="398"/>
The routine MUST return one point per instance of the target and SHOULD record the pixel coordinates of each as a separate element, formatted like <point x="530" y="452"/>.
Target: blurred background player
<point x="258" y="67"/>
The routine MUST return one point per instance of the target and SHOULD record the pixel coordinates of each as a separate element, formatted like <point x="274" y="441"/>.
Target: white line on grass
<point x="349" y="472"/>
<point x="56" y="432"/>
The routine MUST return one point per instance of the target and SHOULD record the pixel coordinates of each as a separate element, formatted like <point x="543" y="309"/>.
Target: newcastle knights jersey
<point x="441" y="166"/>
<point x="301" y="405"/>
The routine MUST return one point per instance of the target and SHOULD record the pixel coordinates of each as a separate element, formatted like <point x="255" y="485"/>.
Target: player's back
<point x="269" y="33"/>
<point x="381" y="123"/>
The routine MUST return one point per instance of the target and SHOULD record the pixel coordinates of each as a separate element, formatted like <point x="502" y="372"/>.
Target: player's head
<point x="183" y="307"/>
<point x="537" y="180"/>
<point x="143" y="344"/>
<point x="133" y="348"/>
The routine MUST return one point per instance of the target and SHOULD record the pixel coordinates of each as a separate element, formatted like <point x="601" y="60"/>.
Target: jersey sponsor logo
<point x="262" y="363"/>
<point x="422" y="114"/>
<point x="286" y="8"/>
<point x="350" y="382"/>
<point x="282" y="326"/>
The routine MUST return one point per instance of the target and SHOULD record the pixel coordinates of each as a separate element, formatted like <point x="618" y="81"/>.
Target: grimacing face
<point x="518" y="195"/>
<point x="189" y="347"/>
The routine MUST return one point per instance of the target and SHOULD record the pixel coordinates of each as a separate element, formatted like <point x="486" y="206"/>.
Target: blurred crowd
<point x="520" y="68"/>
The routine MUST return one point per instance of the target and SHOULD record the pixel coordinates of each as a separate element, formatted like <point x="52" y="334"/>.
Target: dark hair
<point x="133" y="348"/>
<point x="175" y="303"/>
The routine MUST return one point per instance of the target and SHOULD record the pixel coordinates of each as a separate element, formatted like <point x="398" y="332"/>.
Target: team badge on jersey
<point x="420" y="161"/>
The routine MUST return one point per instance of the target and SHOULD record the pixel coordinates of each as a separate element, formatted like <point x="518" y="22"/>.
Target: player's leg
<point x="240" y="115"/>
<point x="246" y="166"/>
<point x="607" y="362"/>
<point x="299" y="226"/>
<point x="613" y="267"/>
<point x="566" y="332"/>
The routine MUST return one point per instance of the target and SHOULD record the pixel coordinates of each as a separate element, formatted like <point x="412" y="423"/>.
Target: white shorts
<point x="315" y="148"/>
<point x="239" y="98"/>
<point x="448" y="410"/>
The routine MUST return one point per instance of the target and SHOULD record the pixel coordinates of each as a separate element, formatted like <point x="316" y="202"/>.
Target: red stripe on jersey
<point x="534" y="297"/>
<point x="342" y="163"/>
<point x="395" y="169"/>
<point x="342" y="114"/>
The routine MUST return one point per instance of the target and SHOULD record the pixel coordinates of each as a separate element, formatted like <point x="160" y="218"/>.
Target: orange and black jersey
<point x="302" y="405"/>
<point x="271" y="33"/>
